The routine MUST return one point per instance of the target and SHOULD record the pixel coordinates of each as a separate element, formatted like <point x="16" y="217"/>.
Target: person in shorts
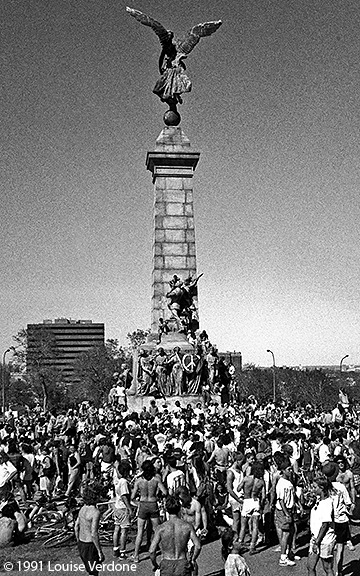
<point x="87" y="528"/>
<point x="343" y="506"/>
<point x="322" y="528"/>
<point x="236" y="494"/>
<point x="254" y="498"/>
<point x="122" y="509"/>
<point x="175" y="561"/>
<point x="284" y="511"/>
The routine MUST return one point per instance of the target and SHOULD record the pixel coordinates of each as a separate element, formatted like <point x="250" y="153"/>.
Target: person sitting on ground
<point x="12" y="520"/>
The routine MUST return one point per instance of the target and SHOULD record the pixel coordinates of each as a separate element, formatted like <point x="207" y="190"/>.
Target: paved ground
<point x="264" y="563"/>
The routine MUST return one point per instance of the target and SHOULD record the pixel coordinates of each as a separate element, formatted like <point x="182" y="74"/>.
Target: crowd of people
<point x="254" y="475"/>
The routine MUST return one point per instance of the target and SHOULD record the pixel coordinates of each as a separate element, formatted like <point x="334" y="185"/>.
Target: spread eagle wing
<point x="186" y="44"/>
<point x="164" y="35"/>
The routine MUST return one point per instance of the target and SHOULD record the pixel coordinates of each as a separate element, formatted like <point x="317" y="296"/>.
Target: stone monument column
<point x="172" y="165"/>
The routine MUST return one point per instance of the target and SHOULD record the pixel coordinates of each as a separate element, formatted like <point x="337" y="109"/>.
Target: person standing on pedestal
<point x="212" y="363"/>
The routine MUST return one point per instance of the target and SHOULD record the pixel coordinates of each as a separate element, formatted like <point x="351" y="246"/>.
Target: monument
<point x="171" y="362"/>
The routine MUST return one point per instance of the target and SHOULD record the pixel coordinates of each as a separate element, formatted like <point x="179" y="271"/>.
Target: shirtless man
<point x="148" y="485"/>
<point x="173" y="537"/>
<point x="254" y="499"/>
<point x="346" y="477"/>
<point x="233" y="482"/>
<point x="190" y="508"/>
<point x="220" y="457"/>
<point x="87" y="529"/>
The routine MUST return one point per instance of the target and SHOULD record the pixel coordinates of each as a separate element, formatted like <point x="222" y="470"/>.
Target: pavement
<point x="264" y="563"/>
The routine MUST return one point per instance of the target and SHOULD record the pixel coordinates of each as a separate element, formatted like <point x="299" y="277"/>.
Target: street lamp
<point x="342" y="360"/>
<point x="3" y="380"/>
<point x="274" y="382"/>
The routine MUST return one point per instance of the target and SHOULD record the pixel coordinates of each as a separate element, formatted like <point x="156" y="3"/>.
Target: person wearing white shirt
<point x="322" y="528"/>
<point x="284" y="511"/>
<point x="324" y="450"/>
<point x="342" y="507"/>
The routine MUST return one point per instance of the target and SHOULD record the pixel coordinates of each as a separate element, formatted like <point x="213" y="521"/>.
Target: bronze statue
<point x="181" y="301"/>
<point x="173" y="81"/>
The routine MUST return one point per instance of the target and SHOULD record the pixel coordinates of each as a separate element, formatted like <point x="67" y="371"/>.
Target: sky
<point x="274" y="113"/>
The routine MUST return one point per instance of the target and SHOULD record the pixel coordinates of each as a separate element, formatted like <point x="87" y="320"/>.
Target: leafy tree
<point x="293" y="386"/>
<point x="94" y="370"/>
<point x="36" y="351"/>
<point x="137" y="337"/>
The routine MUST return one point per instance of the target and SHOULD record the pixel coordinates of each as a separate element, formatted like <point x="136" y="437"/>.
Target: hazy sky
<point x="274" y="112"/>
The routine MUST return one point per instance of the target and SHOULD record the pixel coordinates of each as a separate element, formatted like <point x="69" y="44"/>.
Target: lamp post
<point x="3" y="380"/>
<point x="274" y="381"/>
<point x="342" y="360"/>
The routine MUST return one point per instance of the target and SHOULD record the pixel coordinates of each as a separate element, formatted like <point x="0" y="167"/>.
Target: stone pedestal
<point x="172" y="165"/>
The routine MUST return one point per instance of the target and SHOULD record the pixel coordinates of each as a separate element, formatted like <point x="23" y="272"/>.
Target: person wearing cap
<point x="342" y="507"/>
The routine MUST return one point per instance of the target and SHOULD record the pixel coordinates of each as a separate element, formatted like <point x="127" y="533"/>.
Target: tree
<point x="33" y="358"/>
<point x="94" y="370"/>
<point x="137" y="337"/>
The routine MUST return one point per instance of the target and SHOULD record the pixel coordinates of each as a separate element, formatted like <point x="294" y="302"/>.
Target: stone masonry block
<point x="159" y="195"/>
<point x="174" y="183"/>
<point x="159" y="222"/>
<point x="192" y="248"/>
<point x="160" y="182"/>
<point x="175" y="261"/>
<point x="190" y="262"/>
<point x="189" y="195"/>
<point x="189" y="209"/>
<point x="175" y="209"/>
<point x="159" y="262"/>
<point x="159" y="235"/>
<point x="158" y="289"/>
<point x="160" y="209"/>
<point x="174" y="196"/>
<point x="174" y="235"/>
<point x="190" y="235"/>
<point x="189" y="222"/>
<point x="158" y="248"/>
<point x="177" y="222"/>
<point x="157" y="275"/>
<point x="175" y="249"/>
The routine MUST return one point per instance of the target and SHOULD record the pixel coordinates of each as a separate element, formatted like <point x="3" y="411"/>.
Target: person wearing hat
<point x="342" y="507"/>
